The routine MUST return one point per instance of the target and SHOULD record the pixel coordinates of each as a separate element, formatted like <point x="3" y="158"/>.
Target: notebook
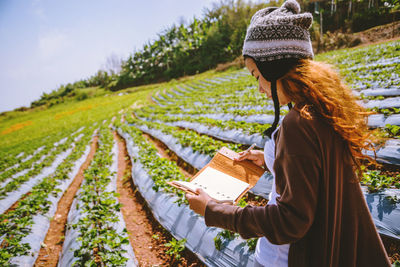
<point x="222" y="178"/>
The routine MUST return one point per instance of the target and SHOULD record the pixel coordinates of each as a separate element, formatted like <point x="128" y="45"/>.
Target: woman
<point x="317" y="215"/>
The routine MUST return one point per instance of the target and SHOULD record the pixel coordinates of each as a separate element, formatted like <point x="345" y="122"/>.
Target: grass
<point x="24" y="127"/>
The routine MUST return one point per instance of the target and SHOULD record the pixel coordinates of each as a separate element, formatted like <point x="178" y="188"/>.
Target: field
<point x="84" y="183"/>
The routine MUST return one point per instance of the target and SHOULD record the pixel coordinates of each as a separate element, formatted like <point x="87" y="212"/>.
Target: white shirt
<point x="267" y="253"/>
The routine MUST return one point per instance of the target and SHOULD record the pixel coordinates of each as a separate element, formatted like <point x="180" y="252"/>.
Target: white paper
<point x="217" y="184"/>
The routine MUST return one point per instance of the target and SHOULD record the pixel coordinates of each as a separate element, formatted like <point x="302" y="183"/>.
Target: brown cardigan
<point x="321" y="212"/>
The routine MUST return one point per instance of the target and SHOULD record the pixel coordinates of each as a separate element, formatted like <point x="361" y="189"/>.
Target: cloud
<point x="52" y="44"/>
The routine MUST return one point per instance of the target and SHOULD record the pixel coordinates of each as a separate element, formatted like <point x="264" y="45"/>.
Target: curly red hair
<point x="322" y="90"/>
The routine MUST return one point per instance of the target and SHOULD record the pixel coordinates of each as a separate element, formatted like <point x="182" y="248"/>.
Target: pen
<point x="250" y="148"/>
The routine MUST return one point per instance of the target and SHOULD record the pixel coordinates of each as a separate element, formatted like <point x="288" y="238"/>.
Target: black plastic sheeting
<point x="182" y="222"/>
<point x="387" y="223"/>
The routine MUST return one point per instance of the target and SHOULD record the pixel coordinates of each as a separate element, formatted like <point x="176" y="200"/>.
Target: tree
<point x="113" y="64"/>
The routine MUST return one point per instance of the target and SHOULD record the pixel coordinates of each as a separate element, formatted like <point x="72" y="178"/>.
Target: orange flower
<point x="16" y="127"/>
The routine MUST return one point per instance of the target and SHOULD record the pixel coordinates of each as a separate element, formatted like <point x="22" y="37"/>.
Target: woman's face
<point x="264" y="86"/>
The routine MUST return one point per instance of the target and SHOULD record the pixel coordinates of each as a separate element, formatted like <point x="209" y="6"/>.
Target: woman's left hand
<point x="198" y="203"/>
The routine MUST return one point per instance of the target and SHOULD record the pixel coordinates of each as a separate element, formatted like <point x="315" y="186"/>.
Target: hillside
<point x="135" y="140"/>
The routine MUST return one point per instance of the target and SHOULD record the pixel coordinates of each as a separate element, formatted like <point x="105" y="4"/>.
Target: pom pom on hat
<point x="292" y="6"/>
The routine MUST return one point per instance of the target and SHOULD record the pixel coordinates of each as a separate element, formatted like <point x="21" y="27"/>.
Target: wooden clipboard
<point x="223" y="161"/>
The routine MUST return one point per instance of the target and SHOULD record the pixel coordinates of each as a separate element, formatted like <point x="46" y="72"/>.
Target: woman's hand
<point x="257" y="156"/>
<point x="198" y="203"/>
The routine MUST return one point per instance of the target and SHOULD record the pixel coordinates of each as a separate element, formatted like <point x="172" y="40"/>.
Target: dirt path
<point x="392" y="247"/>
<point x="49" y="253"/>
<point x="185" y="168"/>
<point x="146" y="235"/>
<point x="377" y="42"/>
<point x="136" y="222"/>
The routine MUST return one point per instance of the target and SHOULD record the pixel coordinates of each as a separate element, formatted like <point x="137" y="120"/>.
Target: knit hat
<point x="276" y="33"/>
<point x="275" y="39"/>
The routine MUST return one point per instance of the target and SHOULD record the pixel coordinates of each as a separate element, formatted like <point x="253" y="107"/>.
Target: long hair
<point x="322" y="91"/>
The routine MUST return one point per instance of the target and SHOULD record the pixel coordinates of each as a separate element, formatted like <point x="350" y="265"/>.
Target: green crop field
<point x="192" y="117"/>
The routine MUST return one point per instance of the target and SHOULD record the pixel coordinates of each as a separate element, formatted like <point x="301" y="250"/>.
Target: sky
<point x="47" y="43"/>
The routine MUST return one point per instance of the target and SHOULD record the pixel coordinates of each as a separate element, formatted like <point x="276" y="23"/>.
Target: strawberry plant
<point x="376" y="181"/>
<point x="100" y="243"/>
<point x="159" y="169"/>
<point x="392" y="130"/>
<point x="17" y="223"/>
<point x="175" y="248"/>
<point x="200" y="143"/>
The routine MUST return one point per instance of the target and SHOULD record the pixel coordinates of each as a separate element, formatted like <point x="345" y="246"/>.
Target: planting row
<point x="40" y="158"/>
<point x="374" y="67"/>
<point x="248" y="133"/>
<point x="29" y="152"/>
<point x="382" y="205"/>
<point x="21" y="183"/>
<point x="381" y="190"/>
<point x="389" y="153"/>
<point x="23" y="228"/>
<point x="150" y="174"/>
<point x="231" y="131"/>
<point x="197" y="155"/>
<point x="201" y="143"/>
<point x="96" y="234"/>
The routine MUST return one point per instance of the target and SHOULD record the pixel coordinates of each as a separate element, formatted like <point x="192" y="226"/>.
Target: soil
<point x="255" y="200"/>
<point x="380" y="34"/>
<point x="187" y="169"/>
<point x="392" y="247"/>
<point x="147" y="236"/>
<point x="53" y="243"/>
<point x="388" y="170"/>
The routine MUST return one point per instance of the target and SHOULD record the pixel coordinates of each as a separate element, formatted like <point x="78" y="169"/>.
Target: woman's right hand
<point x="257" y="156"/>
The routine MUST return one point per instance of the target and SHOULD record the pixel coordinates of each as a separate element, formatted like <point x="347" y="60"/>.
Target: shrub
<point x="81" y="95"/>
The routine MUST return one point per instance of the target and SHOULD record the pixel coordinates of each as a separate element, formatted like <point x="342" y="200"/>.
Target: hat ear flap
<point x="306" y="20"/>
